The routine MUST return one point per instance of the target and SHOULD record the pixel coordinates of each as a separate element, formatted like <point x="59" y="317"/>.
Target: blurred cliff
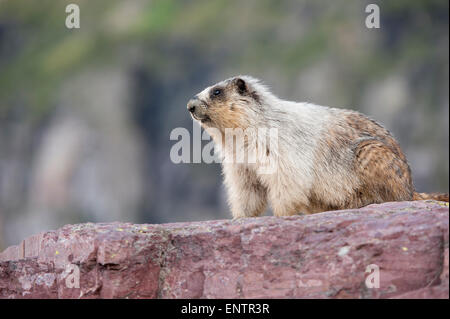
<point x="86" y="114"/>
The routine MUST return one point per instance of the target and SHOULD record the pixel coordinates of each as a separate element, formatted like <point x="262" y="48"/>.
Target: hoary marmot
<point x="326" y="158"/>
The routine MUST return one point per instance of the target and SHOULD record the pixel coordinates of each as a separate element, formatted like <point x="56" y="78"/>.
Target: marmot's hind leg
<point x="384" y="174"/>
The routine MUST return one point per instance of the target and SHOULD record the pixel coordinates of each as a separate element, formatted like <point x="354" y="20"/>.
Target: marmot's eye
<point x="217" y="92"/>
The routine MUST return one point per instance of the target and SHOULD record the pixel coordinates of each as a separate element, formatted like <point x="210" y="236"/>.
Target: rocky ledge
<point x="393" y="250"/>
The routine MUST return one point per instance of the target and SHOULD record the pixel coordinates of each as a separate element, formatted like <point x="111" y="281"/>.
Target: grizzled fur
<point x="326" y="158"/>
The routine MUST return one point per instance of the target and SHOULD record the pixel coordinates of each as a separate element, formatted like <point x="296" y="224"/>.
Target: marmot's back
<point x="378" y="164"/>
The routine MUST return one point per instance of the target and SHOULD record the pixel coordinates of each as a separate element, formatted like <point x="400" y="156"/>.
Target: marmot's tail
<point x="436" y="196"/>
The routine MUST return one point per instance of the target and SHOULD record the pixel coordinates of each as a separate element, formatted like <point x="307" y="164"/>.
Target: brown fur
<point x="434" y="196"/>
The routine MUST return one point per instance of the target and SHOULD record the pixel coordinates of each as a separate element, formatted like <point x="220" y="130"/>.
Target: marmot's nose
<point x="192" y="104"/>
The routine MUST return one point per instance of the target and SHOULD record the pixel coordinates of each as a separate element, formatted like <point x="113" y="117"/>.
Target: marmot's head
<point x="228" y="104"/>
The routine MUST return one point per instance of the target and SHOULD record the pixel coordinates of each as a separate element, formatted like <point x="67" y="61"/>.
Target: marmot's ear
<point x="240" y="85"/>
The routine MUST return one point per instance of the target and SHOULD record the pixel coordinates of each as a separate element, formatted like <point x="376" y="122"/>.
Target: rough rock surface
<point x="318" y="256"/>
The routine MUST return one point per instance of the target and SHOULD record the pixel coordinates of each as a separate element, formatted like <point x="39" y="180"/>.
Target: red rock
<point x="318" y="256"/>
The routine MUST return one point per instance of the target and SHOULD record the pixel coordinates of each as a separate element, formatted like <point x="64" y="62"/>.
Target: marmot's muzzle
<point x="192" y="104"/>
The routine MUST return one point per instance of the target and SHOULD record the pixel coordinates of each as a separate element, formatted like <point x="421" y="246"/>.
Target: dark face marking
<point x="255" y="97"/>
<point x="240" y="85"/>
<point x="216" y="92"/>
<point x="243" y="89"/>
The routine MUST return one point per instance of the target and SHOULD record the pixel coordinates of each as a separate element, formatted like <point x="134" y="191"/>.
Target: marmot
<point x="327" y="158"/>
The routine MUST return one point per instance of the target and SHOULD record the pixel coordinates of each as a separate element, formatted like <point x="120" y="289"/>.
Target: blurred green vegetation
<point x="313" y="50"/>
<point x="40" y="52"/>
